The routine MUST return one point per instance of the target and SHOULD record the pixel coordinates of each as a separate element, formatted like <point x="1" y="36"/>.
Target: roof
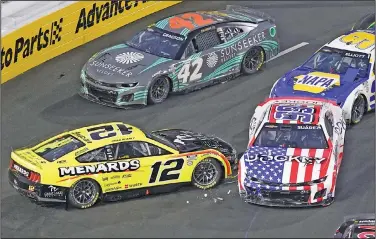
<point x="294" y="113"/>
<point x="89" y="133"/>
<point x="184" y="23"/>
<point x="358" y="41"/>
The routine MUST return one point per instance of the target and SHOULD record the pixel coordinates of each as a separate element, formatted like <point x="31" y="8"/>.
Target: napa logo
<point x="316" y="82"/>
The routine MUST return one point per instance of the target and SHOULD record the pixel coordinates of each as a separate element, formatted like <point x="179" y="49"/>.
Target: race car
<point x="294" y="153"/>
<point x="115" y="161"/>
<point x="343" y="70"/>
<point x="362" y="226"/>
<point x="178" y="54"/>
<point x="367" y="22"/>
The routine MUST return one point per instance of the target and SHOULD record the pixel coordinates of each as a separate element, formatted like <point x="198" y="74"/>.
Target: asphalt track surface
<point x="43" y="102"/>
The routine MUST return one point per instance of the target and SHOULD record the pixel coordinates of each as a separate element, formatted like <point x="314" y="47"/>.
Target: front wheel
<point x="207" y="174"/>
<point x="253" y="60"/>
<point x="84" y="194"/>
<point x="158" y="90"/>
<point x="358" y="109"/>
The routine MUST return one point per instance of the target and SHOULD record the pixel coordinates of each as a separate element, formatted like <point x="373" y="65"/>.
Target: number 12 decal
<point x="185" y="72"/>
<point x="166" y="174"/>
<point x="107" y="131"/>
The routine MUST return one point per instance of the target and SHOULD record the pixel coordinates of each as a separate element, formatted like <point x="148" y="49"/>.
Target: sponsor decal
<point x="54" y="192"/>
<point x="113" y="189"/>
<point x="100" y="13"/>
<point x="115" y="177"/>
<point x="62" y="161"/>
<point x="126" y="176"/>
<point x="113" y="183"/>
<point x="355" y="55"/>
<point x="31" y="188"/>
<point x="231" y="51"/>
<point x="281" y="158"/>
<point x="110" y="67"/>
<point x="207" y="29"/>
<point x="126" y="186"/>
<point x="129" y="57"/>
<point x="81" y="151"/>
<point x="212" y="60"/>
<point x="191" y="157"/>
<point x="100" y="168"/>
<point x="272" y="31"/>
<point x="309" y="127"/>
<point x="316" y="82"/>
<point x="15" y="182"/>
<point x="189" y="163"/>
<point x="173" y="37"/>
<point x="24" y="47"/>
<point x="21" y="170"/>
<point x="105" y="178"/>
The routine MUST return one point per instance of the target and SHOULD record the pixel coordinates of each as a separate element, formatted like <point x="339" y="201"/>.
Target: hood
<point x="118" y="64"/>
<point x="278" y="165"/>
<point x="308" y="83"/>
<point x="188" y="141"/>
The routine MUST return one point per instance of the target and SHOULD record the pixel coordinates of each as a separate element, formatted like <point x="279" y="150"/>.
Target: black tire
<point x="253" y="60"/>
<point x="92" y="188"/>
<point x="358" y="109"/>
<point x="365" y="22"/>
<point x="204" y="168"/>
<point x="159" y="90"/>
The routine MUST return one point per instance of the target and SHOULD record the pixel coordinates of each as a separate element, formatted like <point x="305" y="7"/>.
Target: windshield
<point x="336" y="61"/>
<point x="291" y="136"/>
<point x="157" y="43"/>
<point x="57" y="148"/>
<point x="161" y="139"/>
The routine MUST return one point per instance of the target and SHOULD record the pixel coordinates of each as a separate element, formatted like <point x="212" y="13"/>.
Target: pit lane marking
<point x="288" y="50"/>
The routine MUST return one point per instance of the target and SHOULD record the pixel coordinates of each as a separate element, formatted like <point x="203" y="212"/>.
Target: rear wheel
<point x="365" y="22"/>
<point x="158" y="90"/>
<point x="84" y="193"/>
<point x="207" y="174"/>
<point x="358" y="109"/>
<point x="253" y="60"/>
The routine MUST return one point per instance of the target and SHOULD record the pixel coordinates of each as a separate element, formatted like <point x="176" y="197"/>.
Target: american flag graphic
<point x="288" y="175"/>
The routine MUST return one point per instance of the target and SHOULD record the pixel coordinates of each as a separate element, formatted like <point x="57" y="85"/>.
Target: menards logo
<point x="24" y="47"/>
<point x="103" y="12"/>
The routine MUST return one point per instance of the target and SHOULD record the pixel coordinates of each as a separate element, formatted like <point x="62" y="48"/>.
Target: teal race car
<point x="181" y="53"/>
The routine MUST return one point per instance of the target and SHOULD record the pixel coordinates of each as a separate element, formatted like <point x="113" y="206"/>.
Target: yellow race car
<point x="115" y="161"/>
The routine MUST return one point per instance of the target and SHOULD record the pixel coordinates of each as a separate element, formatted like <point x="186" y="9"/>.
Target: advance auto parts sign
<point x="66" y="29"/>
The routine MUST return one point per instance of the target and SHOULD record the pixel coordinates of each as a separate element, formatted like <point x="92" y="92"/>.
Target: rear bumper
<point x="35" y="191"/>
<point x="283" y="198"/>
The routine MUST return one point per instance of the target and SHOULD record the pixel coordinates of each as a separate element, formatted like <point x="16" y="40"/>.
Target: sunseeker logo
<point x="100" y="13"/>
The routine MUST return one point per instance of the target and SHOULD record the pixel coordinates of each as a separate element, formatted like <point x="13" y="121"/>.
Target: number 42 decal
<point x="185" y="72"/>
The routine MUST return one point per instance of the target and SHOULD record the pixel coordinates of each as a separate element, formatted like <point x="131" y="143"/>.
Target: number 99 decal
<point x="361" y="40"/>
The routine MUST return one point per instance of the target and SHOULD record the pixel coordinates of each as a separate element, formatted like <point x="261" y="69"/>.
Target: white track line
<point x="288" y="50"/>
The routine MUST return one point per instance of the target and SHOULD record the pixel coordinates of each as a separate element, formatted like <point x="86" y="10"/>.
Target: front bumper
<point x="280" y="198"/>
<point x="34" y="191"/>
<point x="112" y="96"/>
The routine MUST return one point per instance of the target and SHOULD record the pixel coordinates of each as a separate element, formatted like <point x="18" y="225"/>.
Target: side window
<point x="329" y="125"/>
<point x="94" y="156"/>
<point x="190" y="50"/>
<point x="137" y="149"/>
<point x="205" y="40"/>
<point x="228" y="33"/>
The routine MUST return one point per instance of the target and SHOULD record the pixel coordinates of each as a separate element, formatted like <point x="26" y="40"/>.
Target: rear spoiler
<point x="360" y="217"/>
<point x="258" y="15"/>
<point x="297" y="100"/>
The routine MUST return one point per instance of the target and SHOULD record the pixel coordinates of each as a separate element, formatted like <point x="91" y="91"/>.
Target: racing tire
<point x="253" y="60"/>
<point x="87" y="187"/>
<point x="209" y="169"/>
<point x="159" y="90"/>
<point x="358" y="110"/>
<point x="365" y="22"/>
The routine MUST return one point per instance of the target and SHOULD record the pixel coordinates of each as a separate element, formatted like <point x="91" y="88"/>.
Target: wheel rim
<point x="358" y="109"/>
<point x="159" y="89"/>
<point x="253" y="60"/>
<point x="84" y="192"/>
<point x="205" y="173"/>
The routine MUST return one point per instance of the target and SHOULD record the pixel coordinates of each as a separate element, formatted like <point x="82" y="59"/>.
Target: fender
<point x="347" y="106"/>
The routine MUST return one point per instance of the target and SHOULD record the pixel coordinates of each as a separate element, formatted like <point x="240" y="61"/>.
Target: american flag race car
<point x="294" y="153"/>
